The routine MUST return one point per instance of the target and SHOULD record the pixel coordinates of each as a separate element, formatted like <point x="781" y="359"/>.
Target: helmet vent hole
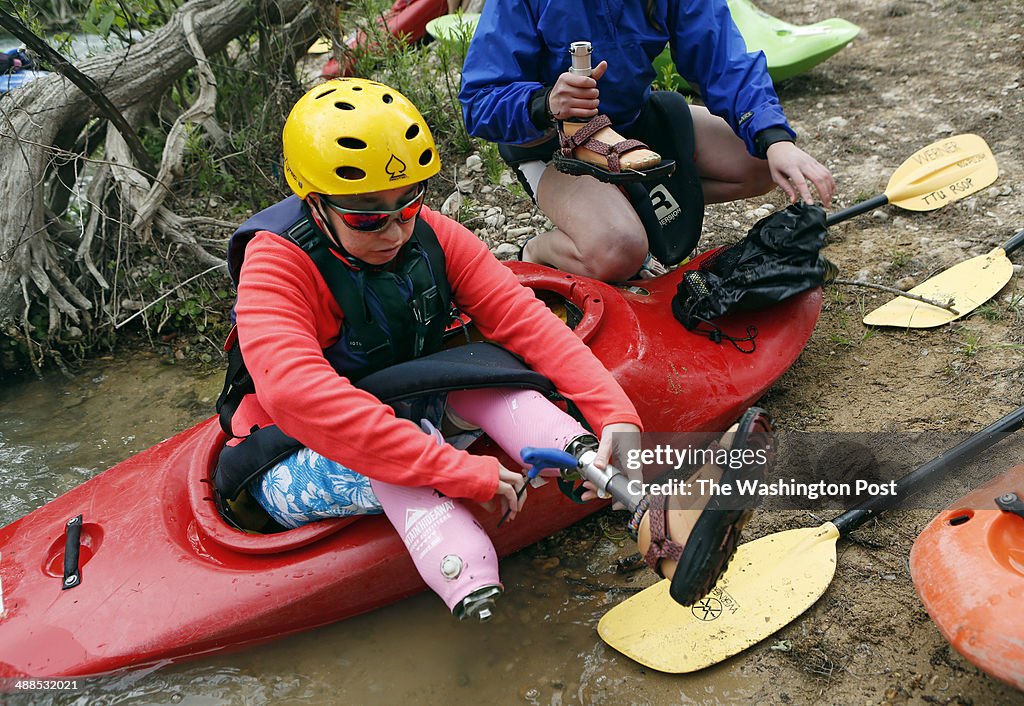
<point x="342" y="105"/>
<point x="350" y="173"/>
<point x="387" y="98"/>
<point x="326" y="93"/>
<point x="425" y="157"/>
<point x="357" y="88"/>
<point x="412" y="132"/>
<point x="351" y="143"/>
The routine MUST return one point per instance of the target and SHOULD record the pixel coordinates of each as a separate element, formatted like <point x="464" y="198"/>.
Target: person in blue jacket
<point x="516" y="91"/>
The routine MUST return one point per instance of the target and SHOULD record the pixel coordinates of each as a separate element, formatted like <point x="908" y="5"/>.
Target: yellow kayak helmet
<point x="354" y="136"/>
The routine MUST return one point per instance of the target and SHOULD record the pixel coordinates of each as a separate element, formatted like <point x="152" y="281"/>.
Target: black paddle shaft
<point x="1013" y="243"/>
<point x="857" y="209"/>
<point x="964" y="451"/>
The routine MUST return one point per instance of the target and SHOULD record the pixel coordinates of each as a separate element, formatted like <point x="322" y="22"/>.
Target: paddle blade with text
<point x="945" y="171"/>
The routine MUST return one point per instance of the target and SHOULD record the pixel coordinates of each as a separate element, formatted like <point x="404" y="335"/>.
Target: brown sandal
<point x="566" y="161"/>
<point x="711" y="544"/>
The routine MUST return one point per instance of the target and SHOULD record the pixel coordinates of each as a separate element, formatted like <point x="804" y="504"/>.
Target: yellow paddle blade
<point x="944" y="171"/>
<point x="320" y="46"/>
<point x="769" y="583"/>
<point x="965" y="287"/>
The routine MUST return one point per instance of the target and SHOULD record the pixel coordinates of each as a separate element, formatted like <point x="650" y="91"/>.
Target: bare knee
<point x="613" y="254"/>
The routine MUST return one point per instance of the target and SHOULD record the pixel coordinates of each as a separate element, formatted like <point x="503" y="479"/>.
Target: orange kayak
<point x="968" y="568"/>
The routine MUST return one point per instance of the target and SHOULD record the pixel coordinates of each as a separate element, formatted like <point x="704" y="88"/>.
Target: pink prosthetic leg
<point x="517" y="418"/>
<point x="451" y="550"/>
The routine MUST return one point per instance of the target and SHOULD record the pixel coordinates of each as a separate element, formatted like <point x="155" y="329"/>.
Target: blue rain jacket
<point x="521" y="46"/>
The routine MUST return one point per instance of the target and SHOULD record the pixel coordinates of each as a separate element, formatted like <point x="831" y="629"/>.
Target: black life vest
<point x="391" y="315"/>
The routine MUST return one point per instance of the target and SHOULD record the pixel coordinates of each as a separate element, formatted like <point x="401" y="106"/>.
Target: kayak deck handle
<point x="72" y="545"/>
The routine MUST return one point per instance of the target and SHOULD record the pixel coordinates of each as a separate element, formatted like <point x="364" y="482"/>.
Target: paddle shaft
<point x="1013" y="243"/>
<point x="966" y="450"/>
<point x="857" y="209"/>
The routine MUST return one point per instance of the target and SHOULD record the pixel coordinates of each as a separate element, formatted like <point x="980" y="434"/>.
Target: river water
<point x="541" y="648"/>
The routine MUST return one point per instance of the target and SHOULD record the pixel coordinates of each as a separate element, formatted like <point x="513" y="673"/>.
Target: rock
<point x="496" y="220"/>
<point x="944" y="129"/>
<point x="74" y="332"/>
<point x="519" y="232"/>
<point x="453" y="204"/>
<point x="880" y="215"/>
<point x="506" y="251"/>
<point x="465" y="185"/>
<point x="906" y="283"/>
<point x="766" y="207"/>
<point x="835" y="123"/>
<point x="474" y="163"/>
<point x="506" y="179"/>
<point x="487" y="189"/>
<point x="524" y="216"/>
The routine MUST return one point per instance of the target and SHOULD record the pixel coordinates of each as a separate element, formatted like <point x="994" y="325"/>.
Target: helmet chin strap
<point x="316" y="210"/>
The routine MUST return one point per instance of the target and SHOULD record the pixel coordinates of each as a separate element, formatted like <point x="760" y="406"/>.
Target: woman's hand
<point x="792" y="168"/>
<point x="575" y="96"/>
<point x="509" y="485"/>
<point x="617" y="441"/>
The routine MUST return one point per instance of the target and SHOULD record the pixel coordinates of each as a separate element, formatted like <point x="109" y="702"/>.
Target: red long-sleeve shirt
<point x="287" y="316"/>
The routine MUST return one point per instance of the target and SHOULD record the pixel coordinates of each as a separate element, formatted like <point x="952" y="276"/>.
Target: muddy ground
<point x="919" y="70"/>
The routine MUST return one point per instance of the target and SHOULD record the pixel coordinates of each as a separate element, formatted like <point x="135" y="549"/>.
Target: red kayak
<point x="407" y="19"/>
<point x="163" y="577"/>
<point x="968" y="568"/>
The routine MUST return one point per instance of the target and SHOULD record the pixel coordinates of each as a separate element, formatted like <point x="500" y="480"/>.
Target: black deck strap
<point x="72" y="546"/>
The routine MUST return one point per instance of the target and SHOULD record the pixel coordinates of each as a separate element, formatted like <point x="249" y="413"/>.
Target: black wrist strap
<point x="540" y="111"/>
<point x="768" y="137"/>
